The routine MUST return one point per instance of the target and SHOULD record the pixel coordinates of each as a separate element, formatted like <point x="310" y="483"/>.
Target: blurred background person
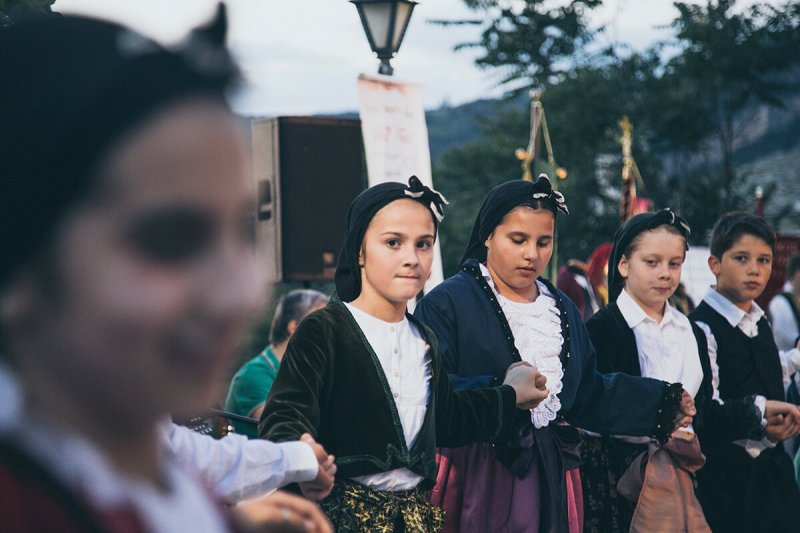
<point x="597" y="271"/>
<point x="784" y="308"/>
<point x="251" y="384"/>
<point x="573" y="282"/>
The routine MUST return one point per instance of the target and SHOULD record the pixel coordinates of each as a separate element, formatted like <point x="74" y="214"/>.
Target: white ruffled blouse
<point x="536" y="327"/>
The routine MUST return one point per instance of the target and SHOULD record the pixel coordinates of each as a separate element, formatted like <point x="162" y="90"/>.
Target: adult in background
<point x="784" y="308"/>
<point x="251" y="384"/>
<point x="573" y="282"/>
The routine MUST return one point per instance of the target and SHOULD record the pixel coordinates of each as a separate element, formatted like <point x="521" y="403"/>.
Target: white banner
<point x="396" y="139"/>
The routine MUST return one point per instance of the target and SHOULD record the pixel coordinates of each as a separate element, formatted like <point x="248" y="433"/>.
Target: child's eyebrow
<point x="403" y="235"/>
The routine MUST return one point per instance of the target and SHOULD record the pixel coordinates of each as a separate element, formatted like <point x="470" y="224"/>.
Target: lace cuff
<point x="756" y="418"/>
<point x="668" y="411"/>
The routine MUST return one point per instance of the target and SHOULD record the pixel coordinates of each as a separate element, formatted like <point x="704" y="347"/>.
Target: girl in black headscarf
<point x="365" y="379"/>
<point x="497" y="310"/>
<point x="641" y="334"/>
<point x="127" y="274"/>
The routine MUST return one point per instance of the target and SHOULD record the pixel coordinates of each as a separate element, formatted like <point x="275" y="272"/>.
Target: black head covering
<point x="628" y="231"/>
<point x="361" y="212"/>
<point x="500" y="201"/>
<point x="71" y="88"/>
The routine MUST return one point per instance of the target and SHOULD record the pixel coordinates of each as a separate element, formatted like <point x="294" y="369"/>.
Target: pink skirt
<point x="478" y="493"/>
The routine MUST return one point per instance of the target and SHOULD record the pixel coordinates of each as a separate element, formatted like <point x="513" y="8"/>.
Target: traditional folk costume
<point x="54" y="480"/>
<point x="376" y="395"/>
<point x="93" y="83"/>
<point x="747" y="484"/>
<point x="674" y="349"/>
<point x="528" y="482"/>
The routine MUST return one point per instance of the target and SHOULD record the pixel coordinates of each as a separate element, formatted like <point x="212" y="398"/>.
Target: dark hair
<point x="732" y="226"/>
<point x="542" y="204"/>
<point x="92" y="83"/>
<point x="793" y="266"/>
<point x="293" y="305"/>
<point x="667" y="227"/>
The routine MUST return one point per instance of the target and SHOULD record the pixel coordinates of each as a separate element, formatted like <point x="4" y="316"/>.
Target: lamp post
<point x="385" y="23"/>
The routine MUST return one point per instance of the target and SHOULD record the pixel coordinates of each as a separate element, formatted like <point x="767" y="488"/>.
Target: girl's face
<point x="653" y="270"/>
<point x="396" y="257"/>
<point x="519" y="248"/>
<point x="155" y="274"/>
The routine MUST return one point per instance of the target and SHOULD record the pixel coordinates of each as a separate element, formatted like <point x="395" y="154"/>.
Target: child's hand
<point x="321" y="486"/>
<point x="280" y="511"/>
<point x="783" y="420"/>
<point x="528" y="383"/>
<point x="687" y="411"/>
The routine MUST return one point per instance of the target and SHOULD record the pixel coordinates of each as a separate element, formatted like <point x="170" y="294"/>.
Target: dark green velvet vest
<point x="331" y="384"/>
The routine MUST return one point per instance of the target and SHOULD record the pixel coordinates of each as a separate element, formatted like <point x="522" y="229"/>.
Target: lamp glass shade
<point x="400" y="22"/>
<point x="385" y="23"/>
<point x="377" y="16"/>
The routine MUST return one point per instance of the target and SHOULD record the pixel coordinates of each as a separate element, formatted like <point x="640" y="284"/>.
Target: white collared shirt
<point x="747" y="322"/>
<point x="85" y="470"/>
<point x="784" y="325"/>
<point x="667" y="349"/>
<point x="403" y="354"/>
<point x="234" y="467"/>
<point x="237" y="468"/>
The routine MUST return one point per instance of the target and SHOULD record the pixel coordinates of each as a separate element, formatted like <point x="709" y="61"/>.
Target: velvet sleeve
<point x="469" y="415"/>
<point x="617" y="403"/>
<point x="293" y="404"/>
<point x="601" y="343"/>
<point x="438" y="312"/>
<point x="733" y="420"/>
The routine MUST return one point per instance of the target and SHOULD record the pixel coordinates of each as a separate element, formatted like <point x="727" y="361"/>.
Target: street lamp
<point x="385" y="23"/>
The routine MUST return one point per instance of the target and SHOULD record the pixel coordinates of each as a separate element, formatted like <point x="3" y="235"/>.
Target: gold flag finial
<point x="538" y="124"/>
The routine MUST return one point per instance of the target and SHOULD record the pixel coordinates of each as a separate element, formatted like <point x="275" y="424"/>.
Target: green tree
<point x="688" y="109"/>
<point x="531" y="43"/>
<point x="583" y="111"/>
<point x="729" y="64"/>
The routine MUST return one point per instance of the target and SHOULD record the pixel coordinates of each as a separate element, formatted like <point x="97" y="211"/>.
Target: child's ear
<point x="622" y="267"/>
<point x="715" y="265"/>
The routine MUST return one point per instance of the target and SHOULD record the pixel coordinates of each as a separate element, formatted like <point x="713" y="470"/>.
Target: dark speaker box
<point x="307" y="171"/>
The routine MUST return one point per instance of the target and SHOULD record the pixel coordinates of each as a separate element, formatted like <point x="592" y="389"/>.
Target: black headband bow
<point x="625" y="235"/>
<point x="432" y="199"/>
<point x="544" y="192"/>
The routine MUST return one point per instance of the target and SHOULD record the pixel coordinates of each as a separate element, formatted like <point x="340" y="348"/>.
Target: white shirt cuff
<point x="761" y="403"/>
<point x="301" y="463"/>
<point x="794" y="356"/>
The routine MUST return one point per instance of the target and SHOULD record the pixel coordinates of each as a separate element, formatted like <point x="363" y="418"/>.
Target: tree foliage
<point x="690" y="110"/>
<point x="530" y="44"/>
